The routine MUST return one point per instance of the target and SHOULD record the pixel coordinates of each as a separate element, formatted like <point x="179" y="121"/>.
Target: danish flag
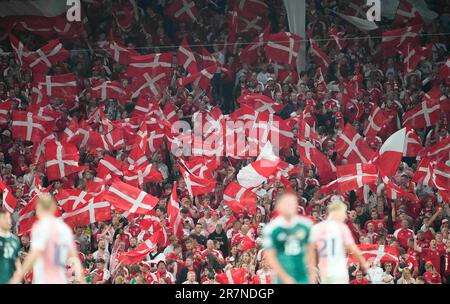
<point x="391" y="153"/>
<point x="141" y="251"/>
<point x="148" y="83"/>
<point x="257" y="172"/>
<point x="413" y="55"/>
<point x="438" y="152"/>
<point x="182" y="11"/>
<point x="260" y="103"/>
<point x="95" y="211"/>
<point x="108" y="89"/>
<point x="354" y="176"/>
<point x="71" y="199"/>
<point x="440" y="175"/>
<point x="161" y="62"/>
<point x="232" y="276"/>
<point x="195" y="184"/>
<point x="110" y="165"/>
<point x="310" y="155"/>
<point x="60" y="86"/>
<point x="250" y="53"/>
<point x="46" y="57"/>
<point x="120" y="53"/>
<point x="381" y="253"/>
<point x="170" y="112"/>
<point x="413" y="143"/>
<point x="251" y="24"/>
<point x="9" y="202"/>
<point x="394" y="192"/>
<point x="61" y="159"/>
<point x="174" y="214"/>
<point x="142" y="174"/>
<point x="320" y="57"/>
<point x="426" y="114"/>
<point x="245" y="198"/>
<point x="186" y="57"/>
<point x="27" y="126"/>
<point x="338" y="37"/>
<point x="250" y="8"/>
<point x="20" y="50"/>
<point x="200" y="79"/>
<point x="398" y="38"/>
<point x="350" y="145"/>
<point x="283" y="48"/>
<point x="375" y="121"/>
<point x="125" y="197"/>
<point x="406" y="13"/>
<point x="423" y="173"/>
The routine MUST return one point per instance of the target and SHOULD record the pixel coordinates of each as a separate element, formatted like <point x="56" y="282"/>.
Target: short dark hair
<point x="184" y="210"/>
<point x="100" y="261"/>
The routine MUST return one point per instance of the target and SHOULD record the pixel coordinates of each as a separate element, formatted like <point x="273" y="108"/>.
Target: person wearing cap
<point x="444" y="224"/>
<point x="359" y="279"/>
<point x="431" y="276"/>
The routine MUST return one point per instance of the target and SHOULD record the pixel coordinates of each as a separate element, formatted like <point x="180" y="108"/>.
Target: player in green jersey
<point x="9" y="249"/>
<point x="285" y="240"/>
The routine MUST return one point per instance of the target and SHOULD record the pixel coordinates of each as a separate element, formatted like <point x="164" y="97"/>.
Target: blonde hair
<point x="336" y="206"/>
<point x="46" y="202"/>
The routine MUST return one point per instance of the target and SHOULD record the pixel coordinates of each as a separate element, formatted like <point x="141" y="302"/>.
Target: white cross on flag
<point x="375" y="121"/>
<point x="61" y="159"/>
<point x="391" y="153"/>
<point x="350" y="145"/>
<point x="250" y="53"/>
<point x="148" y="84"/>
<point x="46" y="57"/>
<point x="161" y="62"/>
<point x="9" y="202"/>
<point x="200" y="79"/>
<point x="440" y="151"/>
<point x="107" y="89"/>
<point x="412" y="55"/>
<point x="354" y="176"/>
<point x="260" y="103"/>
<point x="423" y="173"/>
<point x="60" y="86"/>
<point x="319" y="56"/>
<point x="310" y="155"/>
<point x="425" y="114"/>
<point x="232" y="276"/>
<point x="250" y="8"/>
<point x="72" y="199"/>
<point x="120" y="53"/>
<point x="195" y="184"/>
<point x="244" y="199"/>
<point x="182" y="11"/>
<point x="283" y="48"/>
<point x="20" y="50"/>
<point x="395" y="192"/>
<point x="95" y="211"/>
<point x="380" y="253"/>
<point x="413" y="143"/>
<point x="396" y="39"/>
<point x="30" y="127"/>
<point x="142" y="174"/>
<point x="440" y="175"/>
<point x="186" y="57"/>
<point x="125" y="197"/>
<point x="257" y="172"/>
<point x="174" y="214"/>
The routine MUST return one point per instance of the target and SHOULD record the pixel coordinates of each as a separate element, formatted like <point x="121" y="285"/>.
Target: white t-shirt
<point x="53" y="237"/>
<point x="375" y="275"/>
<point x="331" y="237"/>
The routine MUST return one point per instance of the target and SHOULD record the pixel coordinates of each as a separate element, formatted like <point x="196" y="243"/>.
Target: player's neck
<point x="4" y="233"/>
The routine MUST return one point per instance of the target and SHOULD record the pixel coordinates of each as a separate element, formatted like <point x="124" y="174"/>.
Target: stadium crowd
<point x="215" y="237"/>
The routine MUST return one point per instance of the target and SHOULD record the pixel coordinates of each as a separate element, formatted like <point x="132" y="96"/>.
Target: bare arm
<point x="76" y="266"/>
<point x="27" y="265"/>
<point x="312" y="262"/>
<point x="276" y="266"/>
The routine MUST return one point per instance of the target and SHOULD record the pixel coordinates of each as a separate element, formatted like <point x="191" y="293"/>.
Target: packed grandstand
<point x="123" y="117"/>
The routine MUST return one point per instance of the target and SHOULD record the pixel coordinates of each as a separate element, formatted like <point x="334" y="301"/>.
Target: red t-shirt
<point x="433" y="255"/>
<point x="364" y="281"/>
<point x="434" y="278"/>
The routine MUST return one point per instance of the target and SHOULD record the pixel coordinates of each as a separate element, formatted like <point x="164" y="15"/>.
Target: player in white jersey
<point x="331" y="239"/>
<point x="52" y="247"/>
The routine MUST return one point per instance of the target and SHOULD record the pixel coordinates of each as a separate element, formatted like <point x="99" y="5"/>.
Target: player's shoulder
<point x="304" y="220"/>
<point x="275" y="223"/>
